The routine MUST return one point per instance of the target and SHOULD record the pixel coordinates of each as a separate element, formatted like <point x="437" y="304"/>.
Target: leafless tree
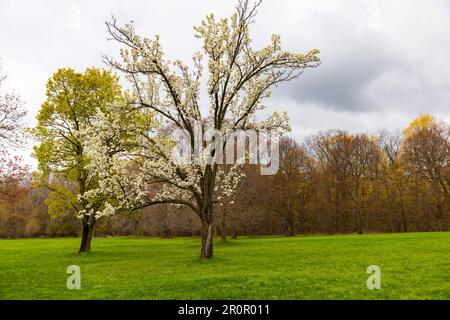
<point x="292" y="185"/>
<point x="12" y="116"/>
<point x="426" y="153"/>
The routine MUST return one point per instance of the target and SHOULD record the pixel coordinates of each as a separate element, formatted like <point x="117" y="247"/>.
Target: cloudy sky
<point x="384" y="62"/>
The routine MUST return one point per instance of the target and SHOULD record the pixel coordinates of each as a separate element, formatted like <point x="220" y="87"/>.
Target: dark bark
<point x="302" y="220"/>
<point x="207" y="240"/>
<point x="88" y="221"/>
<point x="206" y="212"/>
<point x="289" y="223"/>
<point x="87" y="233"/>
<point x="404" y="222"/>
<point x="290" y="233"/>
<point x="166" y="233"/>
<point x="223" y="229"/>
<point x="359" y="222"/>
<point x="86" y="237"/>
<point x="137" y="231"/>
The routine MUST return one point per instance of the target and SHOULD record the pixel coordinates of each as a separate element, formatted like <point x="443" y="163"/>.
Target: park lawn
<point x="413" y="266"/>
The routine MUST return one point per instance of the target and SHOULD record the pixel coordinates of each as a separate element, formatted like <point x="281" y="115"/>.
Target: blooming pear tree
<point x="145" y="172"/>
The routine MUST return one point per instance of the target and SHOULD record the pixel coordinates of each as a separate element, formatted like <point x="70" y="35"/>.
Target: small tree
<point x="12" y="117"/>
<point x="74" y="101"/>
<point x="12" y="121"/>
<point x="426" y="154"/>
<point x="292" y="185"/>
<point x="396" y="182"/>
<point x="239" y="78"/>
<point x="332" y="151"/>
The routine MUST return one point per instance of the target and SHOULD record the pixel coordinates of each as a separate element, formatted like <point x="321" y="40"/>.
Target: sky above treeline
<point x="384" y="62"/>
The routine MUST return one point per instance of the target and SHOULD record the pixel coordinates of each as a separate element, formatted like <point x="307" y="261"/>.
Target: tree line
<point x="334" y="182"/>
<point x="338" y="182"/>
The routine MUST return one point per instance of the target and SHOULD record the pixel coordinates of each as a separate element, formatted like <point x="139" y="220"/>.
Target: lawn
<point x="413" y="266"/>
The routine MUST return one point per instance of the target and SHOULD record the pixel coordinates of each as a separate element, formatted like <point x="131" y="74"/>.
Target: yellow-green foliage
<point x="72" y="105"/>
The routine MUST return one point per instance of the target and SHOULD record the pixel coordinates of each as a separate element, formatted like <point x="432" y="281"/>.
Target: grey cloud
<point x="377" y="55"/>
<point x="340" y="81"/>
<point x="352" y="55"/>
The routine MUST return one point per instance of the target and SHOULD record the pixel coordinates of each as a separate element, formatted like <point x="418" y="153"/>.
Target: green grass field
<point x="413" y="266"/>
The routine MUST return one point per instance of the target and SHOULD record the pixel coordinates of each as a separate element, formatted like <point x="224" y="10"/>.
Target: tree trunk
<point x="223" y="229"/>
<point x="137" y="232"/>
<point x="302" y="220"/>
<point x="337" y="212"/>
<point x="289" y="224"/>
<point x="88" y="220"/>
<point x="223" y="235"/>
<point x="405" y="224"/>
<point x="289" y="228"/>
<point x="207" y="240"/>
<point x="289" y="233"/>
<point x="206" y="212"/>
<point x="86" y="237"/>
<point x="359" y="222"/>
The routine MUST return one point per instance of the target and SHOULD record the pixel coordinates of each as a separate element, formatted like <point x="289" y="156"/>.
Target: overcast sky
<point x="384" y="62"/>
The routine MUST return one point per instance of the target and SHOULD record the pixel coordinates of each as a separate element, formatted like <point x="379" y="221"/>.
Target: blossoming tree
<point x="74" y="100"/>
<point x="239" y="78"/>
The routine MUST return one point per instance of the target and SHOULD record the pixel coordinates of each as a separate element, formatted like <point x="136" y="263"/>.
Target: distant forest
<point x="335" y="182"/>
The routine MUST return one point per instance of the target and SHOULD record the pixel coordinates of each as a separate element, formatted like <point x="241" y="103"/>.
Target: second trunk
<point x="207" y="240"/>
<point x="86" y="238"/>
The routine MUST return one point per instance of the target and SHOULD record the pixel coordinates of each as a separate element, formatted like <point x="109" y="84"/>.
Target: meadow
<point x="413" y="266"/>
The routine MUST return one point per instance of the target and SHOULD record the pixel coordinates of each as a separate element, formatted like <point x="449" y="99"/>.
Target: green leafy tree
<point x="74" y="103"/>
